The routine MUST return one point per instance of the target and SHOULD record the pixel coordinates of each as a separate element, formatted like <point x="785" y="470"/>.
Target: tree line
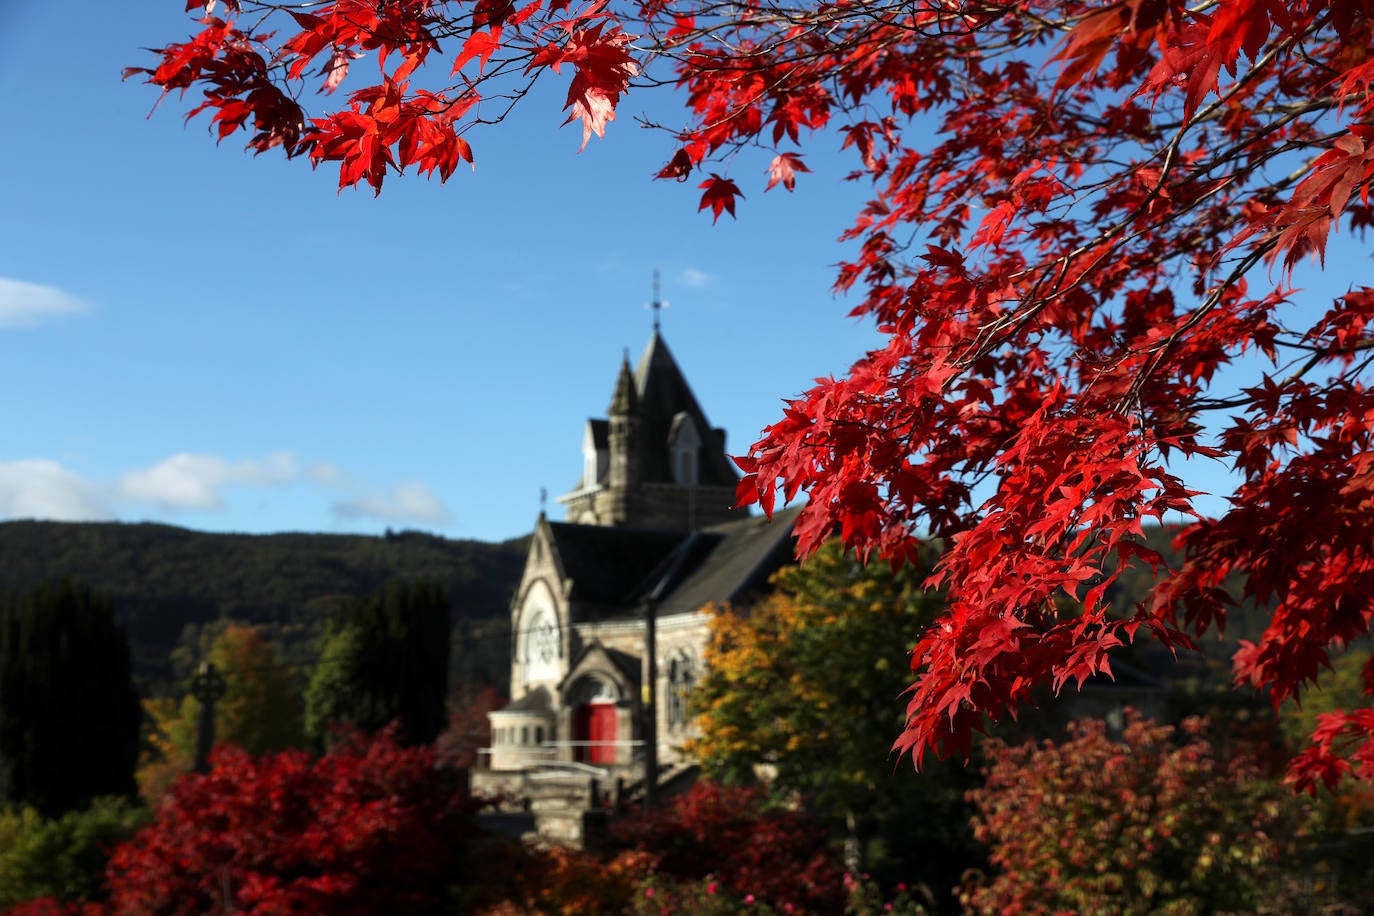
<point x="172" y="586"/>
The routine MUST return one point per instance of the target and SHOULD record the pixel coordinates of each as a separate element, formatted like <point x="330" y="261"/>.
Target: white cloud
<point x="24" y="304"/>
<point x="325" y="474"/>
<point x="43" y="489"/>
<point x="413" y="501"/>
<point x="693" y="278"/>
<point x="189" y="481"/>
<point x="40" y="488"/>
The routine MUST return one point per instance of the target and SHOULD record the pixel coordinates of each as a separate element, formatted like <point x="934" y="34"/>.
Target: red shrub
<point x="779" y="856"/>
<point x="368" y="828"/>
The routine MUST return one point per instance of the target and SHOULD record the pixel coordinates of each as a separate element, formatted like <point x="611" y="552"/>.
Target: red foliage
<point x="1081" y="236"/>
<point x="469" y="729"/>
<point x="369" y="828"/>
<point x="1153" y="822"/>
<point x="781" y="857"/>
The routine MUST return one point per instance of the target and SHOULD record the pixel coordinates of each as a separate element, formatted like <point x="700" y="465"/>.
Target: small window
<point x="681" y="681"/>
<point x="539" y="734"/>
<point x="524" y="734"/>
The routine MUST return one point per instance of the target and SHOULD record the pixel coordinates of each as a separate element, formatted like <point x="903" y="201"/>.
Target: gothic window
<point x="681" y="680"/>
<point x="543" y="641"/>
<point x="541" y="647"/>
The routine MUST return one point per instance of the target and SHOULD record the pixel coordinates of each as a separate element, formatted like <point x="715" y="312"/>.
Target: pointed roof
<point x="664" y="395"/>
<point x="626" y="397"/>
<point x="660" y="383"/>
<point x="596" y="656"/>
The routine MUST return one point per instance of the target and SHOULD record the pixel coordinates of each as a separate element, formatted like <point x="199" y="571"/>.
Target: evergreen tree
<point x="69" y="715"/>
<point x="387" y="660"/>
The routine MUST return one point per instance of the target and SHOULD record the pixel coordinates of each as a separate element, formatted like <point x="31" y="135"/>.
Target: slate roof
<point x="664" y="393"/>
<point x="537" y="700"/>
<point x="749" y="550"/>
<point x="601" y="433"/>
<point x="607" y="564"/>
<point x="613" y="569"/>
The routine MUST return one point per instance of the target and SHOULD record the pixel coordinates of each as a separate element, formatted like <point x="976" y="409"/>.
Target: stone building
<point x="649" y="523"/>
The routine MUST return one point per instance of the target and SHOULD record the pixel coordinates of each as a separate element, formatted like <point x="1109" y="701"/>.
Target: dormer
<point x="684" y="450"/>
<point x="595" y="454"/>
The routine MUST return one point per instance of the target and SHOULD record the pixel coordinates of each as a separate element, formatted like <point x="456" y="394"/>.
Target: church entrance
<point x="594" y="733"/>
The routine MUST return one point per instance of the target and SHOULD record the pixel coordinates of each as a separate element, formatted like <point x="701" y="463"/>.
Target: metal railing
<point x="547" y="752"/>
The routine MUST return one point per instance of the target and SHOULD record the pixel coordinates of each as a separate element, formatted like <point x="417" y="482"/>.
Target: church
<point x="651" y="540"/>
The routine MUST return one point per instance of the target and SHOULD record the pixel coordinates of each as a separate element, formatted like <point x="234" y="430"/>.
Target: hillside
<point x="167" y="582"/>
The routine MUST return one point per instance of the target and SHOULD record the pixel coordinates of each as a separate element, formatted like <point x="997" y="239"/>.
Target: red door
<point x="596" y="726"/>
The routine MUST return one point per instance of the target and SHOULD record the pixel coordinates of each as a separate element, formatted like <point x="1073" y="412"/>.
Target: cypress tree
<point x="69" y="715"/>
<point x="386" y="661"/>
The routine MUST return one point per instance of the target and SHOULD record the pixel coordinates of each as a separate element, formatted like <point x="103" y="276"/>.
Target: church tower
<point x="655" y="461"/>
<point x="597" y="678"/>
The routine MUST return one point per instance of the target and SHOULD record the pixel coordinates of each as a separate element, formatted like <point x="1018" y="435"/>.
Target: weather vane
<point x="658" y="305"/>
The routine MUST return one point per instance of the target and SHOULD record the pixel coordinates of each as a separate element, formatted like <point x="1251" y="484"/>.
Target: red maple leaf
<point x="719" y="194"/>
<point x="783" y="170"/>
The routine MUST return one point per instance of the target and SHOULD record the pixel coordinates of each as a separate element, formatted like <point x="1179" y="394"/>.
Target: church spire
<point x="626" y="399"/>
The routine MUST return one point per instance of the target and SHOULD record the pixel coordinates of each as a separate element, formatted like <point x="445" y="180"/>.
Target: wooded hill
<point x="172" y="587"/>
<point x="169" y="583"/>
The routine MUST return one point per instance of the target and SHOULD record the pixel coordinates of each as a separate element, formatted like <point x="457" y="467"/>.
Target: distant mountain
<point x="167" y="582"/>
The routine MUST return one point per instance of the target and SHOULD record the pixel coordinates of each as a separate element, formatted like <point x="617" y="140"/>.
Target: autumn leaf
<point x="783" y="170"/>
<point x="480" y="45"/>
<point x="603" y="68"/>
<point x="719" y="194"/>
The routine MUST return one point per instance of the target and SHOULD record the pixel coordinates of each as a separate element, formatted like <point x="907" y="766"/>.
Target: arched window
<point x="681" y="681"/>
<point x="540" y="646"/>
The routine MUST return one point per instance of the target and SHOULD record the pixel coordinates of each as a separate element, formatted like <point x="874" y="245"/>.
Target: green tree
<point x="259" y="711"/>
<point x="69" y="716"/>
<point x="800" y="690"/>
<point x="387" y="660"/>
<point x="63" y="858"/>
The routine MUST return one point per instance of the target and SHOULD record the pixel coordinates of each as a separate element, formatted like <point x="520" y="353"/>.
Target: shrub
<point x="517" y="880"/>
<point x="368" y="828"/>
<point x="62" y="858"/>
<point x="781" y="857"/>
<point x="1155" y="822"/>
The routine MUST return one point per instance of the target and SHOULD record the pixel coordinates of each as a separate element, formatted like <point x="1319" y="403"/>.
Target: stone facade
<point x="650" y="523"/>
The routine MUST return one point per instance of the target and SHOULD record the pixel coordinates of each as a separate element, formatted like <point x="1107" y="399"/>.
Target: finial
<point x="658" y="305"/>
<point x="543" y="500"/>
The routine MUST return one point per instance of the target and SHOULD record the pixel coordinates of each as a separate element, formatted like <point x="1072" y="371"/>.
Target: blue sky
<point x="195" y="336"/>
<point x="192" y="335"/>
